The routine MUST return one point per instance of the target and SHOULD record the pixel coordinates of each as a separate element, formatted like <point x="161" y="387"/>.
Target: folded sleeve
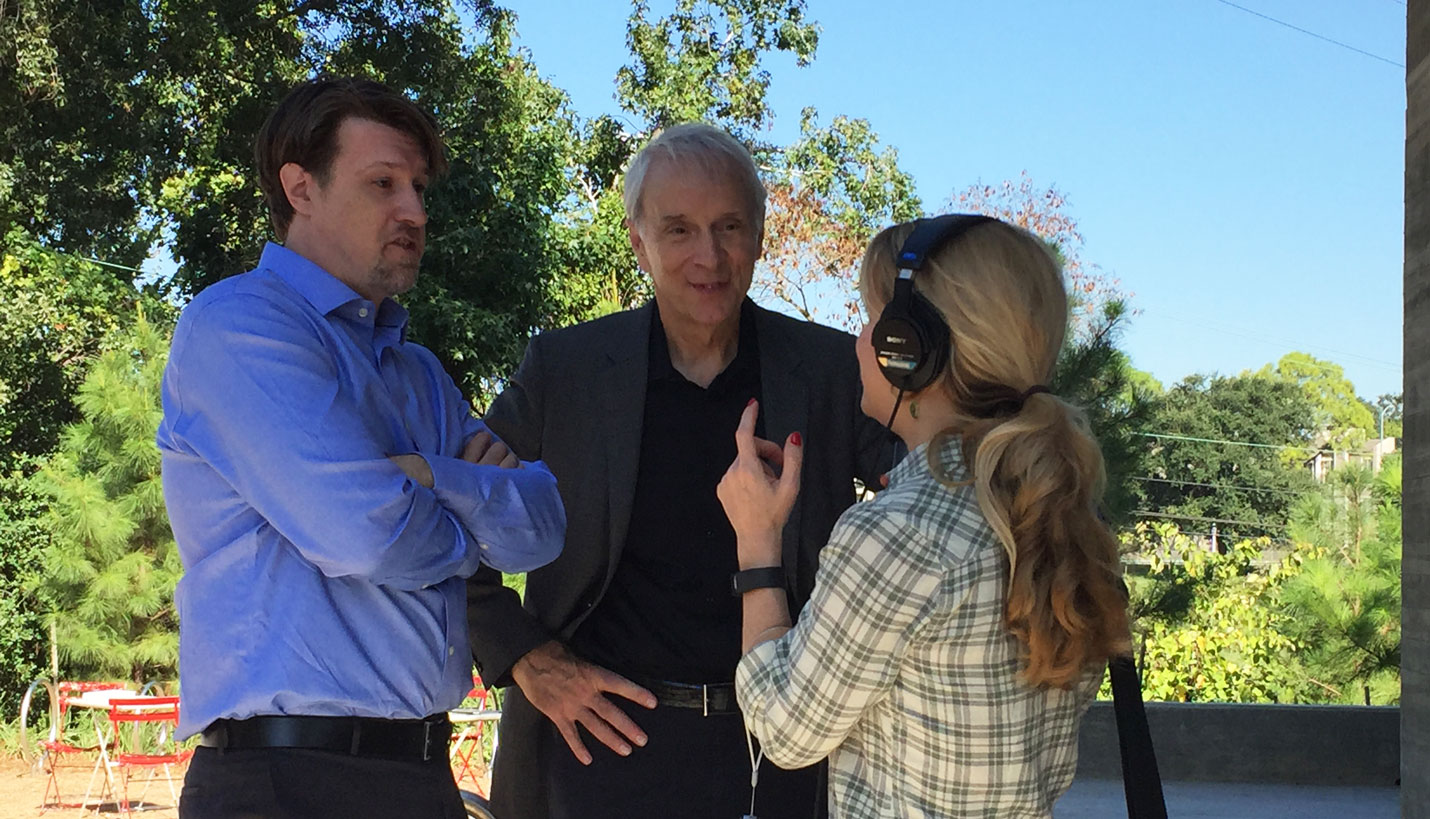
<point x="515" y="515"/>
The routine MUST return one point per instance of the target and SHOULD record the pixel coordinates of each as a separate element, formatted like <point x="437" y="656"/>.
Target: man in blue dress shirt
<point x="330" y="490"/>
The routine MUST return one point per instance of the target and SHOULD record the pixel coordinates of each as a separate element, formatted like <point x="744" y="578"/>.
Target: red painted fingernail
<point x="795" y="439"/>
<point x="752" y="401"/>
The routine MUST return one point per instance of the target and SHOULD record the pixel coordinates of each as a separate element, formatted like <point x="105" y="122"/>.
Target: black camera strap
<point x="1140" y="777"/>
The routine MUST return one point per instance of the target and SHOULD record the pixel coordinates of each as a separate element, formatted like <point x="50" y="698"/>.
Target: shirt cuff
<point x="514" y="515"/>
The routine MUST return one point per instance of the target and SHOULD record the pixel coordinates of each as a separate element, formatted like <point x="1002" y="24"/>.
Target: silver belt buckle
<point x="705" y="699"/>
<point x="426" y="741"/>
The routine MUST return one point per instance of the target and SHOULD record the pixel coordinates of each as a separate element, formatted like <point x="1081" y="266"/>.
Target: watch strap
<point x="769" y="577"/>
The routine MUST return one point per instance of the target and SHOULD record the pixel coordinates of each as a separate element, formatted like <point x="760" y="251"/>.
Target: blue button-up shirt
<point x="318" y="578"/>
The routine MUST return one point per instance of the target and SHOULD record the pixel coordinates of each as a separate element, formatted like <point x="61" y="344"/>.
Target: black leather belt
<point x="413" y="739"/>
<point x="712" y="698"/>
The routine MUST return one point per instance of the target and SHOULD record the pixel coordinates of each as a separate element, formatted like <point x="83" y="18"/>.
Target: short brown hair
<point x="303" y="129"/>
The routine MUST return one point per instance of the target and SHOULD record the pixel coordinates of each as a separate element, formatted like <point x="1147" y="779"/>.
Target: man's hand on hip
<point x="485" y="450"/>
<point x="569" y="690"/>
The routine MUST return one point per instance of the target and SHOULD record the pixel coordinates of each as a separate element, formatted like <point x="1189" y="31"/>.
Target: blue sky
<point x="1242" y="180"/>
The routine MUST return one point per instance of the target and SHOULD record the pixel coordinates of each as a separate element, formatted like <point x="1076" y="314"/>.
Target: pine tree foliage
<point x="1344" y="605"/>
<point x="56" y="310"/>
<point x="111" y="563"/>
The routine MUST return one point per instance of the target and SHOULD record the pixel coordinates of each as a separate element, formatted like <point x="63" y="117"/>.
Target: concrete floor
<point x="1101" y="799"/>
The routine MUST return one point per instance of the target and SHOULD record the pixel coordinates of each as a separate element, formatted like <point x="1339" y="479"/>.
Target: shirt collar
<point x="327" y="292"/>
<point x="392" y="318"/>
<point x="916" y="463"/>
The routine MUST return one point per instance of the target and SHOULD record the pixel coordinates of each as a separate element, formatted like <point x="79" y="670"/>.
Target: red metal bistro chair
<point x="135" y="749"/>
<point x="473" y="730"/>
<point x="61" y="754"/>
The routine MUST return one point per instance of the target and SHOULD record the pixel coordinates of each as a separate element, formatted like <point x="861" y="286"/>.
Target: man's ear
<point x="637" y="245"/>
<point x="298" y="186"/>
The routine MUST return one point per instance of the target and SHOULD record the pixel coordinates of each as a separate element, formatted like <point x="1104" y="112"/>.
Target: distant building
<point x="1372" y="453"/>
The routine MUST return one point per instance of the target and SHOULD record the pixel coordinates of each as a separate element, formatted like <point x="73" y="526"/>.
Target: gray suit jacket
<point x="577" y="402"/>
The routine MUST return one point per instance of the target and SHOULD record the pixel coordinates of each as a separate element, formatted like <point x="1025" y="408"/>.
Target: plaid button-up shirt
<point x="901" y="671"/>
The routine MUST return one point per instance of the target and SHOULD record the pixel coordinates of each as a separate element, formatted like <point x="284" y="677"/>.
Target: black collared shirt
<point x="668" y="613"/>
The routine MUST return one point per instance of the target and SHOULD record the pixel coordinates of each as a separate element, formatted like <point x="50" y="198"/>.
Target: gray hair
<point x="701" y="146"/>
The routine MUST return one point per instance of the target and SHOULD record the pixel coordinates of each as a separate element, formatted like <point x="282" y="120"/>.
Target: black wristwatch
<point x="769" y="577"/>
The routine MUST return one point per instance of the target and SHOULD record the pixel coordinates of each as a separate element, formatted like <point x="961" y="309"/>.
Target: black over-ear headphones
<point x="911" y="340"/>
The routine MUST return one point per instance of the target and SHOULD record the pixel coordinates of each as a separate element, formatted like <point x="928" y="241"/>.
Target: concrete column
<point x="1415" y="614"/>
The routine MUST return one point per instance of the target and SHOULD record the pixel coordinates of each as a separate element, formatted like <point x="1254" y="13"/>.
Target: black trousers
<point x="291" y="783"/>
<point x="692" y="767"/>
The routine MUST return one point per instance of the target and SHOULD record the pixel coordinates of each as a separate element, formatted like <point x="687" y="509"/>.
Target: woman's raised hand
<point x="760" y="487"/>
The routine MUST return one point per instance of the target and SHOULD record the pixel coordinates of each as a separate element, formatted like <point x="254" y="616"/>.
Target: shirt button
<point x="363" y="312"/>
<point x="451" y="650"/>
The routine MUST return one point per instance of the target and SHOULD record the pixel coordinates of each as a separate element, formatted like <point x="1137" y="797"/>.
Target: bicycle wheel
<point x="28" y="747"/>
<point x="476" y="806"/>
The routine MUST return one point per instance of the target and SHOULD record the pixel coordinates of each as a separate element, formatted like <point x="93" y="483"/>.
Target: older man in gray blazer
<point x="631" y="637"/>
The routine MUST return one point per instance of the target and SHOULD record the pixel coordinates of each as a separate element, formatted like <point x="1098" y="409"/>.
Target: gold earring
<point x="914" y="409"/>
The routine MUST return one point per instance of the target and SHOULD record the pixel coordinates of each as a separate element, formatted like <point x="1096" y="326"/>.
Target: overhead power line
<point x="1151" y="514"/>
<point x="1148" y="478"/>
<point x="93" y="260"/>
<point x="107" y="264"/>
<point x="1312" y="34"/>
<point x="1307" y="449"/>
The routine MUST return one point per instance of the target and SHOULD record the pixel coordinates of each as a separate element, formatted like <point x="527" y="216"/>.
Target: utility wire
<point x="1218" y="485"/>
<point x="1312" y="33"/>
<point x="1151" y="514"/>
<point x="106" y="264"/>
<point x="1169" y="437"/>
<point x="94" y="260"/>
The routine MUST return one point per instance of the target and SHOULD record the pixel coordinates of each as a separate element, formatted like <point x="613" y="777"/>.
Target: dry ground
<point x="21" y="790"/>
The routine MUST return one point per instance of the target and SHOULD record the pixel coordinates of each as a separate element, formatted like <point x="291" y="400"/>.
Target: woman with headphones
<point x="962" y="619"/>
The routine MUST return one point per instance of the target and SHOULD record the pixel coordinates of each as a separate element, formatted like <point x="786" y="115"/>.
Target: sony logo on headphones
<point x="895" y="340"/>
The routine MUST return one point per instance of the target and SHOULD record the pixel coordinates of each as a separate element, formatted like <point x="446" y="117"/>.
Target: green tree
<point x="1143" y="382"/>
<point x="1093" y="373"/>
<point x="1338" y="411"/>
<point x="829" y="193"/>
<point x="1218" y="452"/>
<point x="1344" y="606"/>
<point x="22" y="623"/>
<point x="161" y="112"/>
<point x="598" y="273"/>
<point x="87" y="135"/>
<point x="704" y="61"/>
<point x="1206" y="625"/>
<point x="55" y="310"/>
<point x="492" y="260"/>
<point x="110" y="563"/>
